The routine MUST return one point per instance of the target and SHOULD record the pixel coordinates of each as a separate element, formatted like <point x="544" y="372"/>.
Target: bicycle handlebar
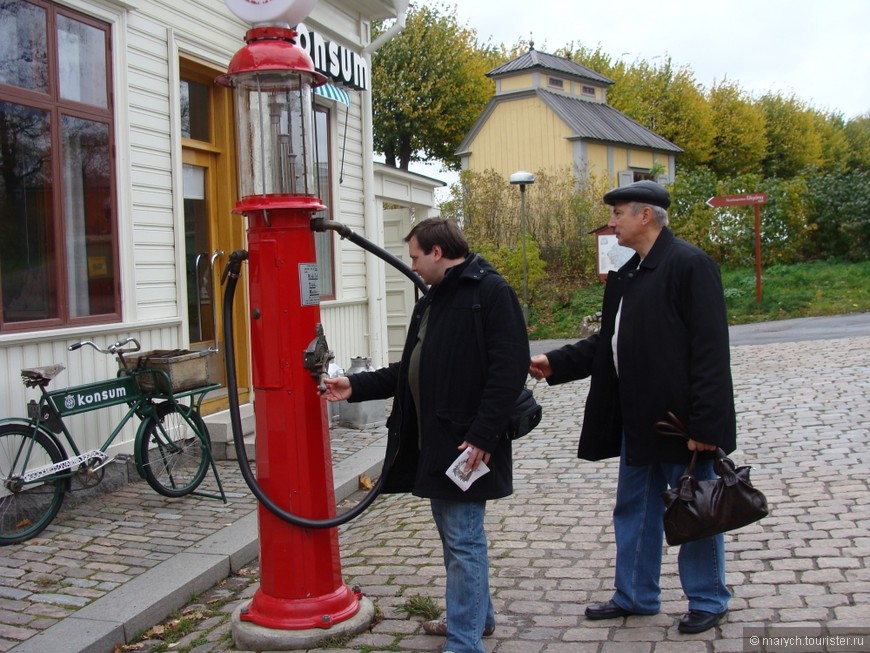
<point x="114" y="348"/>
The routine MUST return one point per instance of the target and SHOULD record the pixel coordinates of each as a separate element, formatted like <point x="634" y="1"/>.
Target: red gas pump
<point x="301" y="591"/>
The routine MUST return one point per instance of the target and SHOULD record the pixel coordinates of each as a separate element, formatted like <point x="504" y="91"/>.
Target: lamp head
<point x="271" y="12"/>
<point x="522" y="179"/>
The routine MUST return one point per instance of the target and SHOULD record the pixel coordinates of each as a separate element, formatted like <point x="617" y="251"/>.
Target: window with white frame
<point x="323" y="241"/>
<point x="58" y="231"/>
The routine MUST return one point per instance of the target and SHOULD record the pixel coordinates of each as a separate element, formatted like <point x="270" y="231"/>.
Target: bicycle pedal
<point x="120" y="458"/>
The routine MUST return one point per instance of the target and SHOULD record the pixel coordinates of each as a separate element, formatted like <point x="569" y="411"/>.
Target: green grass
<point x="788" y="291"/>
<point x="421" y="606"/>
<point x="801" y="290"/>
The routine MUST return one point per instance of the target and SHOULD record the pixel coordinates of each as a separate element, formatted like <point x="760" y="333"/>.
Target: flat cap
<point x="647" y="192"/>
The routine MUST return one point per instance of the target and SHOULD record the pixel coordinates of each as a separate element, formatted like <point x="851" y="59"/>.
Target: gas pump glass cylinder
<point x="275" y="121"/>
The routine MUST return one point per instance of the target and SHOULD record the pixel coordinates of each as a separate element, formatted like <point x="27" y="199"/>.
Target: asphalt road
<point x="807" y="328"/>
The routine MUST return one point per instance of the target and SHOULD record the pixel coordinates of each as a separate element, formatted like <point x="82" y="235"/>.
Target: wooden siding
<point x="539" y="140"/>
<point x="84" y="365"/>
<point x="350" y="260"/>
<point x="146" y="43"/>
<point x="577" y="90"/>
<point x="516" y="83"/>
<point x="640" y="159"/>
<point x="343" y="325"/>
<point x="151" y="183"/>
<point x="597" y="159"/>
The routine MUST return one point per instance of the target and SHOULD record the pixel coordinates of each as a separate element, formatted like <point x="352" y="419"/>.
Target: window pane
<point x="81" y="62"/>
<point x="23" y="48"/>
<point x="196" y="244"/>
<point x="194" y="111"/>
<point x="87" y="203"/>
<point x="26" y="237"/>
<point x="323" y="240"/>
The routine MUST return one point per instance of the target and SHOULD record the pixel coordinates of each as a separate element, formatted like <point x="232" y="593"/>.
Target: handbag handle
<point x="672" y="426"/>
<point x="724" y="467"/>
<point x="688" y="482"/>
<point x="722" y="464"/>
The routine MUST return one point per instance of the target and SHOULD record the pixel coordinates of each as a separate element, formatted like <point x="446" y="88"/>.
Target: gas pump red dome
<point x="271" y="49"/>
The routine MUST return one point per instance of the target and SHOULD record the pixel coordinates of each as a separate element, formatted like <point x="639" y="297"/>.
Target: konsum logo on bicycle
<point x="93" y="399"/>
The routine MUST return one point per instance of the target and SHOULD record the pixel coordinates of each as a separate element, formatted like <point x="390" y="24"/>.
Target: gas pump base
<point x="248" y="636"/>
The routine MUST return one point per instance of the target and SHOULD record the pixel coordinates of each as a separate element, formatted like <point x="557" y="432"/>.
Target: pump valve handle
<point x="316" y="358"/>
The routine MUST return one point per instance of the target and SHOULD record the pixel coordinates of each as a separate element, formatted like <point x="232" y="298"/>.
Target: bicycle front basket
<point x="171" y="370"/>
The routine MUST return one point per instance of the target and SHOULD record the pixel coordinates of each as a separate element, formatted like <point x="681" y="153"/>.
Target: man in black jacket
<point x="663" y="346"/>
<point x="453" y="395"/>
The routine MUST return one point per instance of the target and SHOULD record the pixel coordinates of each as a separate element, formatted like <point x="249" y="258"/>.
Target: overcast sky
<point x="818" y="51"/>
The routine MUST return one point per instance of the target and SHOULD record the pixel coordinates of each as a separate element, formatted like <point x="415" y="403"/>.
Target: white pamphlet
<point x="458" y="474"/>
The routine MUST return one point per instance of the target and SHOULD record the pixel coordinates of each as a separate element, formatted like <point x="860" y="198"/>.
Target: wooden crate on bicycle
<point x="171" y="370"/>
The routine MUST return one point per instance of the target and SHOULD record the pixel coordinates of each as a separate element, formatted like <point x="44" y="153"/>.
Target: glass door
<point x="203" y="258"/>
<point x="211" y="231"/>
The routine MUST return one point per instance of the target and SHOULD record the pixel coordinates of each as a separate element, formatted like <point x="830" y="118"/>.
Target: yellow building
<point x="549" y="113"/>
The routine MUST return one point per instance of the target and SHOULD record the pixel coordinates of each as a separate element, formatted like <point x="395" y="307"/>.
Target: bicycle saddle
<point x="34" y="376"/>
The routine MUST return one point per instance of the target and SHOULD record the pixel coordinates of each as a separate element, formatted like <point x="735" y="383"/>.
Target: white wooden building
<point x="117" y="183"/>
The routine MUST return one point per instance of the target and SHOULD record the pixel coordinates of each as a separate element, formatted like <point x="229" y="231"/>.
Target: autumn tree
<point x="857" y="132"/>
<point x="793" y="141"/>
<point x="835" y="145"/>
<point x="740" y="142"/>
<point x="668" y="101"/>
<point x="429" y="86"/>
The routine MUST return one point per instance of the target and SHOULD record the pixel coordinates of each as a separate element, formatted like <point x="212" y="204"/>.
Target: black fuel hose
<point x="230" y="277"/>
<point x="321" y="225"/>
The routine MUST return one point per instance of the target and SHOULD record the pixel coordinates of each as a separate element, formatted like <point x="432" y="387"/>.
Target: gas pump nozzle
<point x="234" y="265"/>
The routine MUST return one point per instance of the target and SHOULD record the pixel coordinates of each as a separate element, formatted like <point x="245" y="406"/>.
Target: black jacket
<point x="673" y="356"/>
<point x="460" y="400"/>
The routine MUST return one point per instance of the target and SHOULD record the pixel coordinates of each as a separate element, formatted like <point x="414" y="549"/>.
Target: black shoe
<point x="697" y="621"/>
<point x="607" y="610"/>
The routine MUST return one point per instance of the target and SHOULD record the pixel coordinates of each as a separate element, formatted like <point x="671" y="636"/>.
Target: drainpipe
<point x="401" y="7"/>
<point x="376" y="289"/>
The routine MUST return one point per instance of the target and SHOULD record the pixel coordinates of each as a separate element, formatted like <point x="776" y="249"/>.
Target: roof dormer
<point x="538" y="70"/>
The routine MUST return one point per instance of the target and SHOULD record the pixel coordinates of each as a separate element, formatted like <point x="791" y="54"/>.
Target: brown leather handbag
<point x="698" y="509"/>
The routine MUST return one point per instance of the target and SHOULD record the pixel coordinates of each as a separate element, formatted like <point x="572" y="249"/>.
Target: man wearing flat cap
<point x="663" y="347"/>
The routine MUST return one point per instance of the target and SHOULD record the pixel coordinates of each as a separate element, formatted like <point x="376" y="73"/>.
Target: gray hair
<point x="660" y="213"/>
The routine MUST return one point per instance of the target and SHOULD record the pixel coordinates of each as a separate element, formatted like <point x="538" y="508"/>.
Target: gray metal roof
<point x="601" y="122"/>
<point x="535" y="59"/>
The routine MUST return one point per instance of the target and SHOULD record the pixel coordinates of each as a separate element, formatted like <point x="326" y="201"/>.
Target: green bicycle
<point x="172" y="448"/>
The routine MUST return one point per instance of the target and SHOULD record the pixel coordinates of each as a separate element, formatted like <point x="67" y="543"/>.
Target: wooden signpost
<point x="756" y="199"/>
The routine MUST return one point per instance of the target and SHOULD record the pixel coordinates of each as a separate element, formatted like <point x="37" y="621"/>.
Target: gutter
<point x="401" y="7"/>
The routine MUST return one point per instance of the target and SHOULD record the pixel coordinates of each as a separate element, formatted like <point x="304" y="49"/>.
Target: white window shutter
<point x="625" y="177"/>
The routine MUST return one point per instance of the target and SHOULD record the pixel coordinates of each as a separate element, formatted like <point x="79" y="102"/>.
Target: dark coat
<point x="460" y="399"/>
<point x="673" y="356"/>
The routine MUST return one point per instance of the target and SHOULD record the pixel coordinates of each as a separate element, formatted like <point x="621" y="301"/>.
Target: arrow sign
<point x="737" y="200"/>
<point x="743" y="200"/>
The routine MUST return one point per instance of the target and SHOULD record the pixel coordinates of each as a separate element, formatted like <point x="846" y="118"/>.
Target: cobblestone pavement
<point x="804" y="425"/>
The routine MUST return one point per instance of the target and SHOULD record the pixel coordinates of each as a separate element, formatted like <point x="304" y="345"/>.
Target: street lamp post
<point x="523" y="179"/>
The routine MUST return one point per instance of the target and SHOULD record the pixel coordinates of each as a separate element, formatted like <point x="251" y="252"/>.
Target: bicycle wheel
<point x="27" y="508"/>
<point x="174" y="455"/>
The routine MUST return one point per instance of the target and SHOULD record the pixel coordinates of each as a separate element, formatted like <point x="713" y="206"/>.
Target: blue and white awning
<point x="333" y="92"/>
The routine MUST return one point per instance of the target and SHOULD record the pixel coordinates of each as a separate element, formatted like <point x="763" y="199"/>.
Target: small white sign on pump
<point x="271" y="12"/>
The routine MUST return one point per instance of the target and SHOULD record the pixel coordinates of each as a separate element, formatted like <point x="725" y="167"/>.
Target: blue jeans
<point x="469" y="604"/>
<point x="637" y="523"/>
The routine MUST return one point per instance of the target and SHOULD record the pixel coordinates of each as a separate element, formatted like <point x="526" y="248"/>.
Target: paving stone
<point x="802" y="415"/>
